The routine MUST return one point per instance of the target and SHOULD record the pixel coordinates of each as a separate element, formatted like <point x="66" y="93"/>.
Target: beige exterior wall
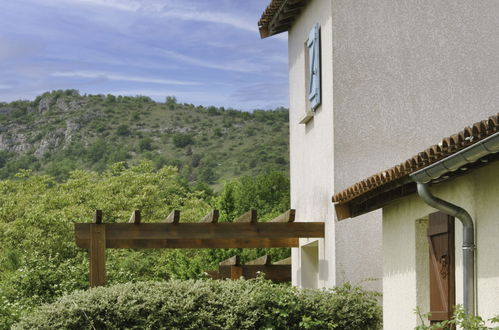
<point x="406" y="74"/>
<point x="405" y="253"/>
<point x="311" y="148"/>
<point x="397" y="76"/>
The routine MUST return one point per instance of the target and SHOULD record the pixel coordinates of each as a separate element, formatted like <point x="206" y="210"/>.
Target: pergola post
<point x="97" y="251"/>
<point x="236" y="272"/>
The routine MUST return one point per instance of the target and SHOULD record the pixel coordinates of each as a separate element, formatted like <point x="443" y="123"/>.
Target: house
<point x="440" y="228"/>
<point x="371" y="83"/>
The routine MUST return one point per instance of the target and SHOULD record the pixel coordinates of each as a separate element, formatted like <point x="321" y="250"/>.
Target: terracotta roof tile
<point x="449" y="145"/>
<point x="278" y="16"/>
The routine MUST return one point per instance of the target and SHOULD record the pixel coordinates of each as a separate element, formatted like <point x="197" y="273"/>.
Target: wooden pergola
<point x="243" y="232"/>
<point x="279" y="271"/>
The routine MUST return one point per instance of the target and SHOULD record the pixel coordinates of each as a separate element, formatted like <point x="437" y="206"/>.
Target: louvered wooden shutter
<point x="314" y="69"/>
<point x="442" y="266"/>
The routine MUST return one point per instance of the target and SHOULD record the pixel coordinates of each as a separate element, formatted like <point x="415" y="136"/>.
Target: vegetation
<point x="459" y="319"/>
<point x="40" y="262"/>
<point x="64" y="155"/>
<point x="62" y="131"/>
<point x="201" y="304"/>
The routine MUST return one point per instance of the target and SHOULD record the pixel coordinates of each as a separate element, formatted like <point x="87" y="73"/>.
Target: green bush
<point x="207" y="304"/>
<point x="181" y="140"/>
<point x="459" y="319"/>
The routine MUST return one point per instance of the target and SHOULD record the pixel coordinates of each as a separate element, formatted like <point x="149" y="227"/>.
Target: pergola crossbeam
<point x="189" y="231"/>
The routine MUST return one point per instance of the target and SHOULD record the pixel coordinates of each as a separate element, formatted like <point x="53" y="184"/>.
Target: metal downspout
<point x="470" y="154"/>
<point x="468" y="242"/>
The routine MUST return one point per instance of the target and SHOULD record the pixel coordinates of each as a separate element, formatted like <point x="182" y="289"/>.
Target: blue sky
<point x="202" y="51"/>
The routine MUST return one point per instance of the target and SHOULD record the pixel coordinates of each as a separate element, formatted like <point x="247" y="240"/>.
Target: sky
<point x="205" y="52"/>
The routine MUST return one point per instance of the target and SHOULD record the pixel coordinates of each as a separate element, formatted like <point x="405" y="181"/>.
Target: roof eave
<point x="279" y="16"/>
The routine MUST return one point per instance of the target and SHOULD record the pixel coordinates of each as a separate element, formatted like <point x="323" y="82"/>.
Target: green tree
<point x="171" y="102"/>
<point x="39" y="260"/>
<point x="181" y="140"/>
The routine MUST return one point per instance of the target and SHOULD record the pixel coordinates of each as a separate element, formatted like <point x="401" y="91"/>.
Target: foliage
<point x="39" y="260"/>
<point x="268" y="193"/>
<point x="181" y="140"/>
<point x="206" y="304"/>
<point x="61" y="131"/>
<point x="460" y="319"/>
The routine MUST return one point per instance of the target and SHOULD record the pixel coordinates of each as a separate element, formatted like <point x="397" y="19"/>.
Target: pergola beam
<point x="193" y="231"/>
<point x="194" y="243"/>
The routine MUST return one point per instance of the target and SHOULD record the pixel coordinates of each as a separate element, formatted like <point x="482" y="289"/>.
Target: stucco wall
<point x="397" y="76"/>
<point x="406" y="74"/>
<point x="405" y="280"/>
<point x="311" y="145"/>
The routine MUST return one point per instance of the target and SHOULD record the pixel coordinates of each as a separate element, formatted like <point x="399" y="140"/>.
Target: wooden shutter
<point x="442" y="266"/>
<point x="314" y="67"/>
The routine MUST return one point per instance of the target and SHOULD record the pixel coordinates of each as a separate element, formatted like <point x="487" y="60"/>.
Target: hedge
<point x="207" y="304"/>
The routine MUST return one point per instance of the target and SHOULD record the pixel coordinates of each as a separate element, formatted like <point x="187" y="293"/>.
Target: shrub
<point x="181" y="140"/>
<point x="207" y="304"/>
<point x="145" y="144"/>
<point x="123" y="130"/>
<point x="459" y="319"/>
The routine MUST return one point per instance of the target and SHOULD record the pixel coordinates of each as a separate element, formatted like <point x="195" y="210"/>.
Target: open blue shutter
<point x="314" y="69"/>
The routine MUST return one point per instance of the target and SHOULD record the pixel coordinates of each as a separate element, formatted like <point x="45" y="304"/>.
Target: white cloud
<point x="118" y="77"/>
<point x="237" y="66"/>
<point x="185" y="10"/>
<point x="5" y="86"/>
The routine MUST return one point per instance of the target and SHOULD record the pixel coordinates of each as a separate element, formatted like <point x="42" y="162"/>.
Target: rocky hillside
<point x="62" y="130"/>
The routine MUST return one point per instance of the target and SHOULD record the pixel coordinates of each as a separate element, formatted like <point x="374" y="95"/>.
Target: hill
<point x="62" y="130"/>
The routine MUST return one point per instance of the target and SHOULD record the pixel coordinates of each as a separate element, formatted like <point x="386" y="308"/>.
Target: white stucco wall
<point x="405" y="277"/>
<point x="405" y="74"/>
<point x="311" y="145"/>
<point x="397" y="76"/>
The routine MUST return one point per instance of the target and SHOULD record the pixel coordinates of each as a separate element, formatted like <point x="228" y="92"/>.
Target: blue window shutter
<point x="314" y="70"/>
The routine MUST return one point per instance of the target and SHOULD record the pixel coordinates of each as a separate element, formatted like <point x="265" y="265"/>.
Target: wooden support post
<point x="135" y="217"/>
<point x="249" y="216"/>
<point x="173" y="217"/>
<point x="236" y="272"/>
<point x="97" y="254"/>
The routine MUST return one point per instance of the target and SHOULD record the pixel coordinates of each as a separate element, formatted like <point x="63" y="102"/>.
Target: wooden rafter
<point x="249" y="216"/>
<point x="173" y="217"/>
<point x="233" y="269"/>
<point x="135" y="217"/>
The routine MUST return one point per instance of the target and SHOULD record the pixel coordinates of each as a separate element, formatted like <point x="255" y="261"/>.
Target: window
<point x="314" y="68"/>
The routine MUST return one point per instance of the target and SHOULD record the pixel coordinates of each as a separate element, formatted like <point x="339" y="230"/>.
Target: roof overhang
<point x="385" y="187"/>
<point x="279" y="16"/>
